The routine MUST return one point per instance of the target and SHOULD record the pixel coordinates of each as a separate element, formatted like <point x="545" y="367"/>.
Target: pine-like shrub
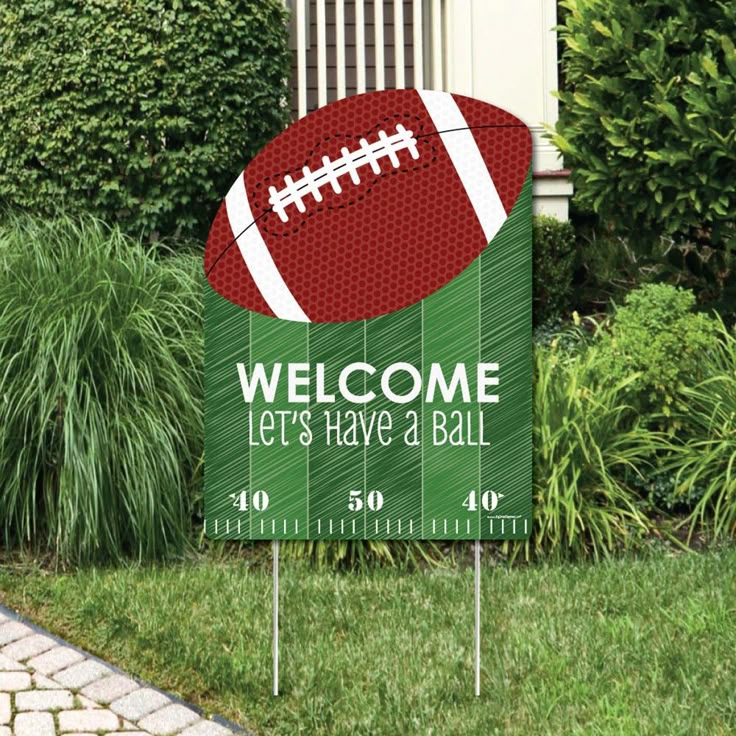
<point x="553" y="267"/>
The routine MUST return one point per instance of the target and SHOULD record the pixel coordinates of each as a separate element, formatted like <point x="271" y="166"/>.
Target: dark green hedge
<point x="647" y="115"/>
<point x="553" y="267"/>
<point x="139" y="111"/>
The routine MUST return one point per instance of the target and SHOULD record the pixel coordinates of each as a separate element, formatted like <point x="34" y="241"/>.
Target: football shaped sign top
<point x="367" y="352"/>
<point x="367" y="206"/>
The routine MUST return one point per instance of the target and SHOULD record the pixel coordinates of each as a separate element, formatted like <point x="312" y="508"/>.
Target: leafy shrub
<point x="566" y="338"/>
<point x="642" y="122"/>
<point x="709" y="272"/>
<point x="658" y="338"/>
<point x="554" y="261"/>
<point x="585" y="439"/>
<point x="141" y="112"/>
<point x="660" y="491"/>
<point x="362" y="553"/>
<point x="101" y="391"/>
<point x="708" y="460"/>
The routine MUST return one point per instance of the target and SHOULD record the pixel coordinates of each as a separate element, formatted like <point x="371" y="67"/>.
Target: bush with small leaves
<point x="656" y="337"/>
<point x="141" y="113"/>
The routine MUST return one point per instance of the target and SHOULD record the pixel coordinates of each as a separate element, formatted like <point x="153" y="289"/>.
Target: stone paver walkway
<point x="49" y="688"/>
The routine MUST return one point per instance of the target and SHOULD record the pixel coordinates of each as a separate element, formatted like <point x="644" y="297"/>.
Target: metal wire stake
<point x="477" y="618"/>
<point x="275" y="616"/>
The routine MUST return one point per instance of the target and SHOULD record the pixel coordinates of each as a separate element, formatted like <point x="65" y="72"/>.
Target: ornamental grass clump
<point x="587" y="438"/>
<point x="706" y="463"/>
<point x="100" y="391"/>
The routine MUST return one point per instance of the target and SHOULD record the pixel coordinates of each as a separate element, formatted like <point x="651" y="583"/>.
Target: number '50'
<point x="374" y="500"/>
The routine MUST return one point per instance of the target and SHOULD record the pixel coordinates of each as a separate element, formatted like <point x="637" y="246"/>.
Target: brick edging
<point x="20" y="618"/>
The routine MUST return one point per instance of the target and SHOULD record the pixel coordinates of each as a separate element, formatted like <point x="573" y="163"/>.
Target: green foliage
<point x="607" y="268"/>
<point x="554" y="260"/>
<point x="568" y="338"/>
<point x="708" y="460"/>
<point x="709" y="272"/>
<point x="630" y="647"/>
<point x="660" y="491"/>
<point x="585" y="439"/>
<point x="362" y="554"/>
<point x="139" y="112"/>
<point x="657" y="337"/>
<point x="646" y="122"/>
<point x="101" y="410"/>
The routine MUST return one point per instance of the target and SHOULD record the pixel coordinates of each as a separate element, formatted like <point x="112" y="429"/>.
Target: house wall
<point x="350" y="51"/>
<point x="501" y="51"/>
<point x="505" y="52"/>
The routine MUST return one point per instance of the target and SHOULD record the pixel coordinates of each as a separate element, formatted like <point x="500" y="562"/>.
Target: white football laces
<point x="368" y="154"/>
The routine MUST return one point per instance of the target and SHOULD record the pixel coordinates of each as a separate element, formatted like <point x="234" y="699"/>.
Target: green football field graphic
<point x="435" y="470"/>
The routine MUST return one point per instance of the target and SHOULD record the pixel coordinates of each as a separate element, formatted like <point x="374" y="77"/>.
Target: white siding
<point x="501" y="51"/>
<point x="387" y="53"/>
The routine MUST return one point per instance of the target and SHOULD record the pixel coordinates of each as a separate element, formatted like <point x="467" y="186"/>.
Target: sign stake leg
<point x="275" y="616"/>
<point x="477" y="618"/>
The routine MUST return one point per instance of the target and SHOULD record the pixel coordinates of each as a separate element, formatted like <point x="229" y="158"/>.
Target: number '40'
<point x="241" y="500"/>
<point x="488" y="500"/>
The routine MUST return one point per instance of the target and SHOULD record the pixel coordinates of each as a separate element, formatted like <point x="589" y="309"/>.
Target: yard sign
<point x="368" y="328"/>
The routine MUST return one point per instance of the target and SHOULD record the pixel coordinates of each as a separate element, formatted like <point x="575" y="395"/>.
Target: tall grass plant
<point x="100" y="391"/>
<point x="586" y="440"/>
<point x="706" y="463"/>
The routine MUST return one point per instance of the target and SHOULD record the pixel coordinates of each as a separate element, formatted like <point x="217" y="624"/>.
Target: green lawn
<point x="628" y="647"/>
